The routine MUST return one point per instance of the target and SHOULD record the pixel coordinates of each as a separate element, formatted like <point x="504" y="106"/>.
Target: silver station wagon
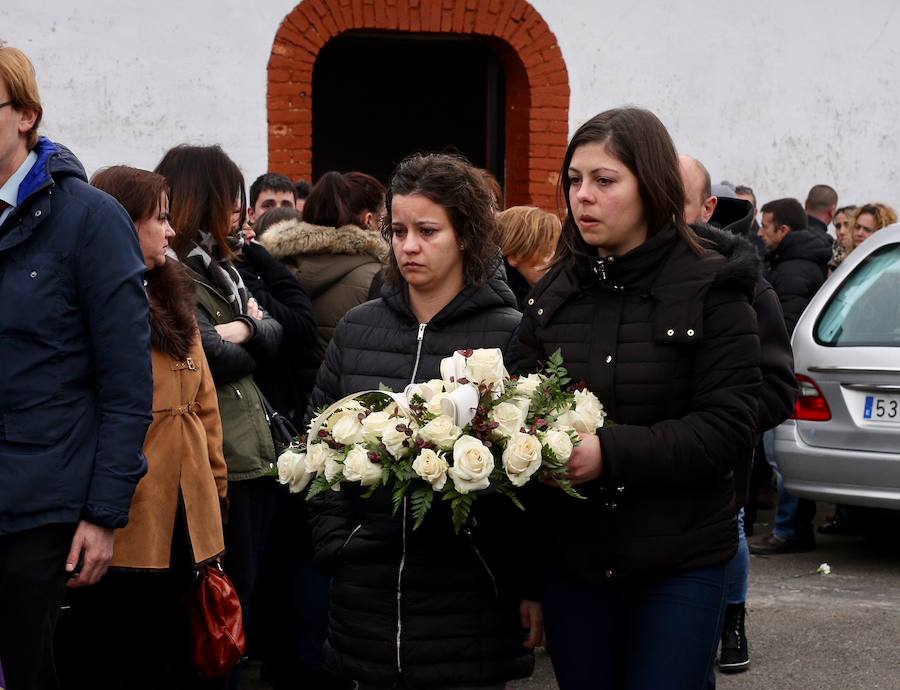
<point x="843" y="445"/>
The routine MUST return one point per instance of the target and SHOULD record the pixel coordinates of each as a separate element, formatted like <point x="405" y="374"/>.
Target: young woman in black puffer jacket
<point x="424" y="608"/>
<point x="661" y="329"/>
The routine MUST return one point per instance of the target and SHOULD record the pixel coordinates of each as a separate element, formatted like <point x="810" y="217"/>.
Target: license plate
<point x="882" y="408"/>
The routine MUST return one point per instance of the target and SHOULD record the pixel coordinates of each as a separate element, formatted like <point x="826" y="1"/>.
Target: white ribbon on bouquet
<point x="460" y="404"/>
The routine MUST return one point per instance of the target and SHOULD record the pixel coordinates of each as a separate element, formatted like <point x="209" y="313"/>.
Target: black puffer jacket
<point x="667" y="340"/>
<point x="424" y="608"/>
<point x="797" y="269"/>
<point x="779" y="387"/>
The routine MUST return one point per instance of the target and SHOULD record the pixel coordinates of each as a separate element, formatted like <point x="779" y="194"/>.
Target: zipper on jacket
<point x="400" y="572"/>
<point x="237" y="393"/>
<point x="347" y="541"/>
<point x="483" y="562"/>
<point x="418" y="352"/>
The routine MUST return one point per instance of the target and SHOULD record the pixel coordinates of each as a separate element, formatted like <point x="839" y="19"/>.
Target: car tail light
<point x="811" y="405"/>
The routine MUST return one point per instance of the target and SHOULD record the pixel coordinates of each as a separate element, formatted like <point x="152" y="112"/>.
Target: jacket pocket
<point x="40" y="426"/>
<point x="347" y="541"/>
<point x="483" y="563"/>
<point x="246" y="440"/>
<point x="32" y="286"/>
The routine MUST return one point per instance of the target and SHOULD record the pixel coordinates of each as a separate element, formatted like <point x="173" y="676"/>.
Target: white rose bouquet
<point x="474" y="430"/>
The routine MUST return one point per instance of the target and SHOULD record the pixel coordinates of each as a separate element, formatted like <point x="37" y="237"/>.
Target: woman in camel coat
<point x="131" y="629"/>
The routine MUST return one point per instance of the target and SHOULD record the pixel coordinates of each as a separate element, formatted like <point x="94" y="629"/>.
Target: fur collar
<point x="290" y="238"/>
<point x="171" y="294"/>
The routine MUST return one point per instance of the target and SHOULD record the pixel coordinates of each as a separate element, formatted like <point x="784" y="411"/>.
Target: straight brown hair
<point x="204" y="184"/>
<point x="640" y="141"/>
<point x="137" y="190"/>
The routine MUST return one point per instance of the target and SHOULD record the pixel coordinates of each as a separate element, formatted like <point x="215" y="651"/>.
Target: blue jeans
<point x="793" y="516"/>
<point x="635" y="634"/>
<point x="737" y="570"/>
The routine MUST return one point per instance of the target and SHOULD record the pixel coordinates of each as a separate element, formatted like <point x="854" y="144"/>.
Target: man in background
<point x="269" y="191"/>
<point x="821" y="204"/>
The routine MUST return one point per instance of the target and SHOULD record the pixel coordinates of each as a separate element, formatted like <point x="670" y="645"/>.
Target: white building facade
<point x="779" y="95"/>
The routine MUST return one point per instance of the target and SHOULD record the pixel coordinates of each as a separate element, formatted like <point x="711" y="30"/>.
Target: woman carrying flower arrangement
<point x="424" y="608"/>
<point x="661" y="330"/>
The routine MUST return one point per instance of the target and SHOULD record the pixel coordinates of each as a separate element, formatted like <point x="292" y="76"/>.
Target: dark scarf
<point x="206" y="257"/>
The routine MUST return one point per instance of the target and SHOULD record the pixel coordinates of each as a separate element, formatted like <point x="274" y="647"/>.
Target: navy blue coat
<point x="75" y="378"/>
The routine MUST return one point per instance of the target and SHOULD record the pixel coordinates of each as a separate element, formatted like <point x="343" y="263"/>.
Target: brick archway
<point x="537" y="82"/>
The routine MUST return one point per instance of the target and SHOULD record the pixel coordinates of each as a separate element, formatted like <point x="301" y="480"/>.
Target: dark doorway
<point x="379" y="97"/>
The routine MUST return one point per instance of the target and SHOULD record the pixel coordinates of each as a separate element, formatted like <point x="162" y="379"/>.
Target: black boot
<point x="735" y="656"/>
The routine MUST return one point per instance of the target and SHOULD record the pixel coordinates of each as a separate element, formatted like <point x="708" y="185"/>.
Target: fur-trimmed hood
<point x="290" y="238"/>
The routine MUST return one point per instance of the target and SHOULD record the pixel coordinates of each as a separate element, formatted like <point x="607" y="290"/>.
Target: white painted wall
<point x="777" y="94"/>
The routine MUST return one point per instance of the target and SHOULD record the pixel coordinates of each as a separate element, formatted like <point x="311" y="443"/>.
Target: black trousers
<point x="32" y="583"/>
<point x="251" y="510"/>
<point x="131" y="629"/>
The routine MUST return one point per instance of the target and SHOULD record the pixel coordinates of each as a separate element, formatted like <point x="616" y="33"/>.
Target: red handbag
<point x="217" y="623"/>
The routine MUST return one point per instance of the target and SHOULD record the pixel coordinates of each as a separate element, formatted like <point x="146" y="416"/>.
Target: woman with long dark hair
<point x="662" y="331"/>
<point x="425" y="608"/>
<point x="175" y="522"/>
<point x="206" y="187"/>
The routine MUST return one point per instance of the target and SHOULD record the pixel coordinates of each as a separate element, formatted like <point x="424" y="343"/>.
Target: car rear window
<point x="865" y="309"/>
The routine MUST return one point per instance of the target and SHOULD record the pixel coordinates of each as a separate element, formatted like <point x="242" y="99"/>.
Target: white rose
<point x="521" y="458"/>
<point x="527" y="385"/>
<point x="472" y="465"/>
<point x="524" y="404"/>
<point x="316" y="456"/>
<point x="353" y="407"/>
<point x="587" y="416"/>
<point x="436" y="385"/>
<point x="358" y="467"/>
<point x="286" y="465"/>
<point x="559" y="442"/>
<point x="441" y="431"/>
<point x="301" y="476"/>
<point x="394" y="440"/>
<point x="432" y="467"/>
<point x="486" y="366"/>
<point x="333" y="470"/>
<point x="375" y="424"/>
<point x="509" y="417"/>
<point x="565" y="421"/>
<point x="434" y="405"/>
<point x="347" y="428"/>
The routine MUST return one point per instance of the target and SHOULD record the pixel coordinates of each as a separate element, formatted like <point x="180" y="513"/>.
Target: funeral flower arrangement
<point x="475" y="429"/>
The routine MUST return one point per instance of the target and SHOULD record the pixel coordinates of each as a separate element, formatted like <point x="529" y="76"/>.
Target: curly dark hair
<point x="454" y="184"/>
